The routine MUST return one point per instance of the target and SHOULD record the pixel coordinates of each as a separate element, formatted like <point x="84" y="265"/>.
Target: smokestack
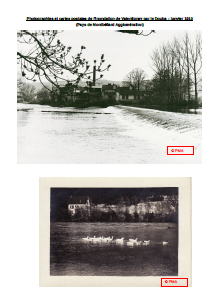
<point x="94" y="73"/>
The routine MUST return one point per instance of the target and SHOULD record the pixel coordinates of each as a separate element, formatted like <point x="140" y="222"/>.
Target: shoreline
<point x="170" y="108"/>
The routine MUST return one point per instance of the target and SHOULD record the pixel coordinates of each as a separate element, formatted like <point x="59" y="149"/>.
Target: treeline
<point x="95" y="215"/>
<point x="125" y="199"/>
<point x="177" y="78"/>
<point x="27" y="93"/>
<point x="177" y="66"/>
<point x="162" y="211"/>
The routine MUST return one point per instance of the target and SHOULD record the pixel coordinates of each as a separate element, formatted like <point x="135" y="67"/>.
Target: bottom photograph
<point x="115" y="231"/>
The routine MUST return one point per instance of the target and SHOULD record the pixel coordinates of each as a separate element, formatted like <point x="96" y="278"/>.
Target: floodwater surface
<point x="71" y="255"/>
<point x="112" y="135"/>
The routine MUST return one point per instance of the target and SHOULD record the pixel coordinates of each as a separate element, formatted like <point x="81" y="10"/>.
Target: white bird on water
<point x="98" y="238"/>
<point x="165" y="242"/>
<point x="91" y="238"/>
<point x="121" y="240"/>
<point x="109" y="238"/>
<point x="147" y="241"/>
<point x="139" y="242"/>
<point x="131" y="243"/>
<point x="133" y="240"/>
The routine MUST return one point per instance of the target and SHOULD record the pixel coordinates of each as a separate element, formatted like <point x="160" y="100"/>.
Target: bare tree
<point x="177" y="52"/>
<point x="195" y="50"/>
<point x="177" y="66"/>
<point x="43" y="95"/>
<point x="25" y="91"/>
<point x="47" y="58"/>
<point x="20" y="84"/>
<point x="187" y="68"/>
<point x="135" y="79"/>
<point x="161" y="64"/>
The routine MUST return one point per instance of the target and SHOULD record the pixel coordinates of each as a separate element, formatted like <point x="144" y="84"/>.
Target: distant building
<point x="109" y="92"/>
<point x="95" y="93"/>
<point x="127" y="94"/>
<point x="106" y="208"/>
<point x="157" y="207"/>
<point x="80" y="96"/>
<point x="166" y="205"/>
<point x="77" y="203"/>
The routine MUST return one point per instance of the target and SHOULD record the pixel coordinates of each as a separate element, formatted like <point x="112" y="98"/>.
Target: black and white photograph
<point x="108" y="96"/>
<point x="115" y="231"/>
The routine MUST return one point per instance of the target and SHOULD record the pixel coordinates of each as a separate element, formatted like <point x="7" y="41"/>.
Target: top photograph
<point x="109" y="97"/>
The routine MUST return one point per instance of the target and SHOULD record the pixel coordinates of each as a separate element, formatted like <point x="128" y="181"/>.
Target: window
<point x="109" y="91"/>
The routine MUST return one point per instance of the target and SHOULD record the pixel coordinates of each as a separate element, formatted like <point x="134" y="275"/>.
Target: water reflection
<point x="71" y="255"/>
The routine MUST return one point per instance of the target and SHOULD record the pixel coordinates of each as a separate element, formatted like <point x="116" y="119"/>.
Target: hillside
<point x="39" y="86"/>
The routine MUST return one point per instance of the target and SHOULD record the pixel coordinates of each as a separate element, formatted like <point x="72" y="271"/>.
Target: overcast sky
<point x="123" y="51"/>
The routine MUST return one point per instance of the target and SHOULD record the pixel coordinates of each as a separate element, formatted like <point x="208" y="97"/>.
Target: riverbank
<point x="95" y="215"/>
<point x="183" y="107"/>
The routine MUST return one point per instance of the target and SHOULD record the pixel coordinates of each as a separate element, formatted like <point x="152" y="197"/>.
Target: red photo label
<point x="180" y="150"/>
<point x="174" y="282"/>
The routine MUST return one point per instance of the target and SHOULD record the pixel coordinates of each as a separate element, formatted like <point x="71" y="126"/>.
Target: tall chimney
<point x="94" y="73"/>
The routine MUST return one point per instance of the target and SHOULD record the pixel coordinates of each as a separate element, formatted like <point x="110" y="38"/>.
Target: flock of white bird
<point x="130" y="242"/>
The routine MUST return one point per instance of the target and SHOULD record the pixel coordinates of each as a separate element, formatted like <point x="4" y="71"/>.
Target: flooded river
<point x="71" y="255"/>
<point x="112" y="135"/>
